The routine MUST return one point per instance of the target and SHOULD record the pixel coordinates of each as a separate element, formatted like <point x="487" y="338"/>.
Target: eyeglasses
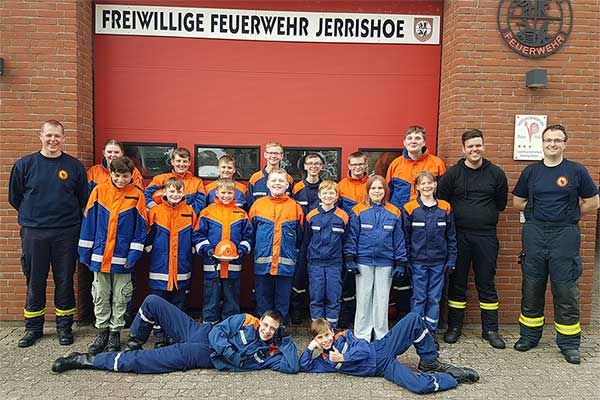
<point x="554" y="141"/>
<point x="357" y="165"/>
<point x="313" y="164"/>
<point x="273" y="153"/>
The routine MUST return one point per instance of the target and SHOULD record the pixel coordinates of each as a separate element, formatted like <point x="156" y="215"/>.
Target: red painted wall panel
<point x="193" y="91"/>
<point x="199" y="91"/>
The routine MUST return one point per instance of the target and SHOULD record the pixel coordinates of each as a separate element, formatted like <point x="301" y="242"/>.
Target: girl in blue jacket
<point x="374" y="252"/>
<point x="431" y="246"/>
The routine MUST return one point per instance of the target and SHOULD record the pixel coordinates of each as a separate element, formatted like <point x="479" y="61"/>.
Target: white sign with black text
<point x="286" y="26"/>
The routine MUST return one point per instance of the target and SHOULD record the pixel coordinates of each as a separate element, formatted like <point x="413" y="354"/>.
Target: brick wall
<point x="47" y="48"/>
<point x="483" y="86"/>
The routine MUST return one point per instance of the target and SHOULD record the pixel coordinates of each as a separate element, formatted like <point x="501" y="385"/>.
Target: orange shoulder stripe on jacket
<point x="342" y="214"/>
<point x="312" y="213"/>
<point x="251" y="320"/>
<point x="411" y="206"/>
<point x="444" y="205"/>
<point x="392" y="208"/>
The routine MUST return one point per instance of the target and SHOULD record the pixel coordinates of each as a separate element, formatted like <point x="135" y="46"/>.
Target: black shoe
<point x="452" y="335"/>
<point x="134" y="343"/>
<point x="494" y="339"/>
<point x="163" y="343"/>
<point x="100" y="342"/>
<point x="524" y="344"/>
<point x="114" y="342"/>
<point x="572" y="356"/>
<point x="29" y="338"/>
<point x="73" y="361"/>
<point x="461" y="374"/>
<point x="65" y="338"/>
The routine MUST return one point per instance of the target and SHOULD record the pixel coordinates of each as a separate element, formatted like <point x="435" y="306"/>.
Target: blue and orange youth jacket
<point x="173" y="234"/>
<point x="100" y="173"/>
<point x="352" y="192"/>
<point x="277" y="223"/>
<point x="402" y="172"/>
<point x="240" y="194"/>
<point x="307" y="195"/>
<point x="429" y="232"/>
<point x="257" y="186"/>
<point x="326" y="232"/>
<point x="220" y="222"/>
<point x="113" y="230"/>
<point x="239" y="335"/>
<point x="193" y="189"/>
<point x="359" y="357"/>
<point x="376" y="237"/>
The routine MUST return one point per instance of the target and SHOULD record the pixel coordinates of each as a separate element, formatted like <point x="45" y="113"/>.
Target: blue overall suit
<point x="362" y="358"/>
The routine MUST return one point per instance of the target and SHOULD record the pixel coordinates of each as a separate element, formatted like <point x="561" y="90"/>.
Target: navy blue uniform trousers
<point x="42" y="248"/>
<point x="191" y="350"/>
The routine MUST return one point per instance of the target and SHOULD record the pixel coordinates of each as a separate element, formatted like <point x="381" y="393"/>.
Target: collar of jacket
<point x="424" y="154"/>
<point x="186" y="175"/>
<point x="362" y="179"/>
<point x="176" y="206"/>
<point x="280" y="199"/>
<point x="231" y="204"/>
<point x="126" y="187"/>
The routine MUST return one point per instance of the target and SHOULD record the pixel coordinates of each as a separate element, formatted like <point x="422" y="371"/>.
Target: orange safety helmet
<point x="226" y="250"/>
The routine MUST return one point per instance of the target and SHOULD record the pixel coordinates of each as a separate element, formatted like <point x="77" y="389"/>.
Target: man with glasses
<point x="553" y="193"/>
<point x="305" y="193"/>
<point x="257" y="185"/>
<point x="353" y="190"/>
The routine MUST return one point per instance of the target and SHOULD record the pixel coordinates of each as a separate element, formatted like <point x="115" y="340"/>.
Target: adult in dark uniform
<point x="554" y="193"/>
<point x="477" y="191"/>
<point x="49" y="190"/>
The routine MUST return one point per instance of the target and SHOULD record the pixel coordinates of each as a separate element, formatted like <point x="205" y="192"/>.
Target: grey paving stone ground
<point x="506" y="374"/>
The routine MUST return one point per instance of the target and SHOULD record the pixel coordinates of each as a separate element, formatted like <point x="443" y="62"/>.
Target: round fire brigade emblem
<point x="535" y="28"/>
<point x="562" y="181"/>
<point x="62" y="174"/>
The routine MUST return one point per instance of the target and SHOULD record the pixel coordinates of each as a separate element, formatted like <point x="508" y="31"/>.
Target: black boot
<point x="452" y="335"/>
<point x="29" y="338"/>
<point x="456" y="316"/>
<point x="114" y="341"/>
<point x="99" y="343"/>
<point x="461" y="374"/>
<point x="134" y="343"/>
<point x="494" y="339"/>
<point x="65" y="337"/>
<point x="74" y="361"/>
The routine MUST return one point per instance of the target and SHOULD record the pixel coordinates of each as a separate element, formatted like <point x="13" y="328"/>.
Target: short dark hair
<point x="471" y="134"/>
<point x="415" y="129"/>
<point x="122" y="165"/>
<point x="175" y="182"/>
<point x="357" y="154"/>
<point x="181" y="152"/>
<point x="313" y="155"/>
<point x="276" y="315"/>
<point x="556" y="127"/>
